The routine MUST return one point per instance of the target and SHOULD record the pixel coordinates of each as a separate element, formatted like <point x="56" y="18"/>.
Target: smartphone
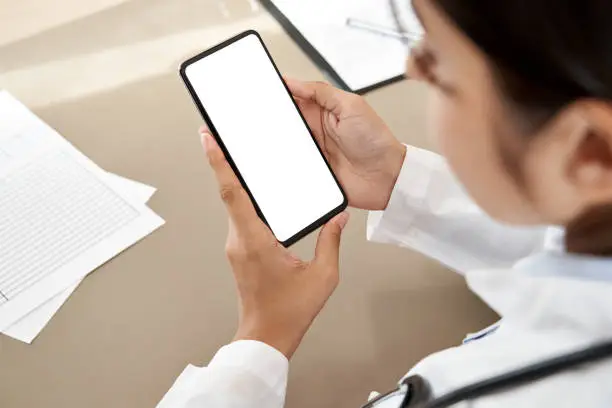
<point x="256" y="122"/>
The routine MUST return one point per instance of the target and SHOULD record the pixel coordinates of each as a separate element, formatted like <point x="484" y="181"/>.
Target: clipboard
<point x="320" y="61"/>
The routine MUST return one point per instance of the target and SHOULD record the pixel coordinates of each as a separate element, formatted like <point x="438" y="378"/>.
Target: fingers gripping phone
<point x="252" y="115"/>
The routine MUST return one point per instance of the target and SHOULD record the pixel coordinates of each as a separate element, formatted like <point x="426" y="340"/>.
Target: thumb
<point x="327" y="251"/>
<point x="321" y="93"/>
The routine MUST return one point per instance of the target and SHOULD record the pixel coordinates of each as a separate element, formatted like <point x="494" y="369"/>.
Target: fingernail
<point x="342" y="220"/>
<point x="205" y="141"/>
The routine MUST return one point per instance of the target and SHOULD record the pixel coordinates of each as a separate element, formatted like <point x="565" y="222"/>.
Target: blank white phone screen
<point x="264" y="134"/>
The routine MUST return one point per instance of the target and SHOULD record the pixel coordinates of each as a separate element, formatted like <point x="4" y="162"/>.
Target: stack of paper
<point x="61" y="217"/>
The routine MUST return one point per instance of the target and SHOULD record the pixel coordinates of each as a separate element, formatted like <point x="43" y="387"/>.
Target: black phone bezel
<point x="318" y="223"/>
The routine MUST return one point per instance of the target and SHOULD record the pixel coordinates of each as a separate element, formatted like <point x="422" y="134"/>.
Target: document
<point x="61" y="216"/>
<point x="28" y="327"/>
<point x="361" y="58"/>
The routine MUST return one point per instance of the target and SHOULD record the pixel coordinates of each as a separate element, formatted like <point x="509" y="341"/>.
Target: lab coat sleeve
<point x="429" y="211"/>
<point x="244" y="374"/>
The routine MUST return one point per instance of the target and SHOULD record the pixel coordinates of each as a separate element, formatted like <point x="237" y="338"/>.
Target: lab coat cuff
<point x="410" y="191"/>
<point x="260" y="359"/>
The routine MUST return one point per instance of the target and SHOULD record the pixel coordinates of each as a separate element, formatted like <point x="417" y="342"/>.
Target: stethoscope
<point x="414" y="391"/>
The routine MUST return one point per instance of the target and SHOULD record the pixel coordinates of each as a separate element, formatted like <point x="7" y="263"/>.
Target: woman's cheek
<point x="464" y="130"/>
<point x="445" y="126"/>
<point x="460" y="135"/>
<point x="436" y="118"/>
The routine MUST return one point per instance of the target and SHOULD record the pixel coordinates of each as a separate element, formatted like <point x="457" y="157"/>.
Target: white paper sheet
<point x="141" y="193"/>
<point x="60" y="216"/>
<point x="28" y="327"/>
<point x="361" y="58"/>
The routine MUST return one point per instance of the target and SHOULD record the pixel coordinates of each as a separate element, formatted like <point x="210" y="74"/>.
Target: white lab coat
<point x="550" y="302"/>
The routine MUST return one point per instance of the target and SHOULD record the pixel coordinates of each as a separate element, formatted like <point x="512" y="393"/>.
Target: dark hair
<point x="545" y="55"/>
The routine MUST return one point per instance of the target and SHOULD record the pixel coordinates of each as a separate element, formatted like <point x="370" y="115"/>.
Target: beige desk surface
<point x="103" y="72"/>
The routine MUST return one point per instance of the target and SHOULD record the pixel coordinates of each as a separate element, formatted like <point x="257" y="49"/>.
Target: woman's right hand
<point x="361" y="149"/>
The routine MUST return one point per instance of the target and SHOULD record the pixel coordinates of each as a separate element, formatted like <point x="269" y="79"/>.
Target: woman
<point x="521" y="108"/>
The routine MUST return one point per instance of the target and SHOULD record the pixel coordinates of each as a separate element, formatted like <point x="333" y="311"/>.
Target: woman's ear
<point x="590" y="164"/>
<point x="568" y="164"/>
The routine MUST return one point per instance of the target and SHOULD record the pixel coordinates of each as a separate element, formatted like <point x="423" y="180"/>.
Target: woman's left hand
<point x="280" y="295"/>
